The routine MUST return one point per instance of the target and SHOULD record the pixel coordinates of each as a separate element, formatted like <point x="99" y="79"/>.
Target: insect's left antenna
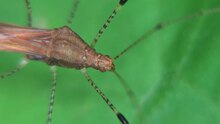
<point x="127" y="88"/>
<point x="53" y="89"/>
<point x="104" y="27"/>
<point x="122" y="119"/>
<point x="29" y="13"/>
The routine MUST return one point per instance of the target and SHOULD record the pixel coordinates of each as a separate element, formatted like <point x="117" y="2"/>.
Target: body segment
<point x="61" y="47"/>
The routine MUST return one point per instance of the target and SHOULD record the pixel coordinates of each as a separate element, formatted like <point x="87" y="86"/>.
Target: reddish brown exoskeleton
<point x="60" y="47"/>
<point x="63" y="47"/>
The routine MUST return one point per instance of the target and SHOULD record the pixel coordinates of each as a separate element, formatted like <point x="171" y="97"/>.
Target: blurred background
<point x="174" y="72"/>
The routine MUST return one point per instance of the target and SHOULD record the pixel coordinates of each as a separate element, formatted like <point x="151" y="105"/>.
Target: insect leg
<point x="160" y="26"/>
<point x="53" y="89"/>
<point x="112" y="107"/>
<point x="29" y="13"/>
<point x="23" y="63"/>
<point x="104" y="27"/>
<point x="72" y="13"/>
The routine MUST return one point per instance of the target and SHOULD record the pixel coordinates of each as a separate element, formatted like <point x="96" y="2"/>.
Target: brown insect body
<point x="61" y="47"/>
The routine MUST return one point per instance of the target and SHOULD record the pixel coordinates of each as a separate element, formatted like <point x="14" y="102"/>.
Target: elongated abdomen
<point x="24" y="40"/>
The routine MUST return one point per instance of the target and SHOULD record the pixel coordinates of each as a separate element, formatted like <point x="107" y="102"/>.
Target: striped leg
<point x="24" y="61"/>
<point x="122" y="119"/>
<point x="104" y="27"/>
<point x="52" y="95"/>
<point x="29" y="13"/>
<point x="72" y="13"/>
<point x="22" y="64"/>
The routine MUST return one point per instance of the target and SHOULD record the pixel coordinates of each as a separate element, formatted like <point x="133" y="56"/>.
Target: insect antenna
<point x="96" y="88"/>
<point x="52" y="95"/>
<point x="72" y="13"/>
<point x="127" y="88"/>
<point x="22" y="64"/>
<point x="160" y="26"/>
<point x="104" y="27"/>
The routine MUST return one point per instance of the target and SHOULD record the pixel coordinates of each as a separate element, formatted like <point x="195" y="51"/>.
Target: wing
<point x="31" y="41"/>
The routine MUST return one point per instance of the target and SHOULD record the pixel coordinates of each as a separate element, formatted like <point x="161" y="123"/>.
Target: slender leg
<point x="29" y="13"/>
<point x="112" y="107"/>
<point x="25" y="61"/>
<point x="22" y="64"/>
<point x="104" y="27"/>
<point x="52" y="95"/>
<point x="72" y="13"/>
<point x="160" y="26"/>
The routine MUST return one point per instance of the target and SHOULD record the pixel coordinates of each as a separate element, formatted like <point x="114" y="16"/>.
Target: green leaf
<point x="174" y="72"/>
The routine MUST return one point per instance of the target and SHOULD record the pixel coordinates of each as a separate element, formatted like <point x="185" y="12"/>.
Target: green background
<point x="174" y="73"/>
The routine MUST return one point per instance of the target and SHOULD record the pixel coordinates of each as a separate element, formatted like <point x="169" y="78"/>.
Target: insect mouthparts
<point x="104" y="63"/>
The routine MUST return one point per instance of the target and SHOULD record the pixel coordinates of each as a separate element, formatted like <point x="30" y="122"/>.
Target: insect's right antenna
<point x="112" y="107"/>
<point x="160" y="26"/>
<point x="127" y="88"/>
<point x="104" y="27"/>
<point x="53" y="89"/>
<point x="29" y="13"/>
<point x="72" y="13"/>
<point x="23" y="63"/>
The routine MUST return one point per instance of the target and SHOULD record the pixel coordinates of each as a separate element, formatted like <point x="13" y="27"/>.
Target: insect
<point x="159" y="26"/>
<point x="60" y="47"/>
